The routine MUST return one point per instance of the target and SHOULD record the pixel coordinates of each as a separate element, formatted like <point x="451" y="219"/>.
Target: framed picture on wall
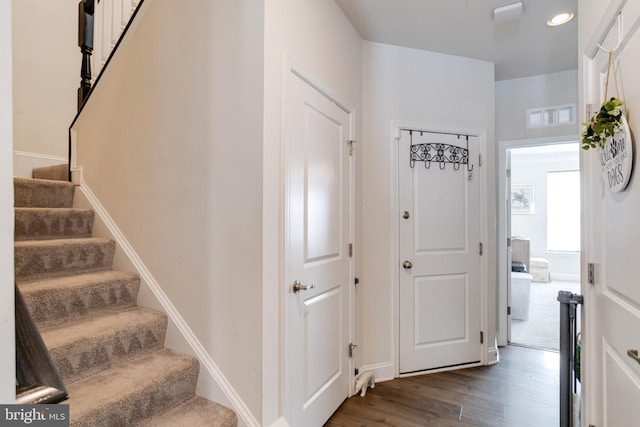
<point x="522" y="199"/>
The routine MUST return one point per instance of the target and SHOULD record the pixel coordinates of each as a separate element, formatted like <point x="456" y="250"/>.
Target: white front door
<point x="318" y="223"/>
<point x="440" y="295"/>
<point x="612" y="242"/>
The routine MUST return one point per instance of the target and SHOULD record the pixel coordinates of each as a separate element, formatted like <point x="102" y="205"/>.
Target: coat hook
<point x="619" y="22"/>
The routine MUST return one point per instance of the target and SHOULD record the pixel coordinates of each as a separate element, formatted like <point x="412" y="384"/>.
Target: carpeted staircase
<point x="109" y="352"/>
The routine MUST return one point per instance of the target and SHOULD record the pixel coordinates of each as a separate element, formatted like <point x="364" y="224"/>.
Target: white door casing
<point x="440" y="294"/>
<point x="504" y="215"/>
<point x="610" y="240"/>
<point x="318" y="226"/>
<point x="509" y="251"/>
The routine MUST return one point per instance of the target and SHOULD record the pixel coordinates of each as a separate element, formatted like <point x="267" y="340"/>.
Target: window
<point x="550" y="116"/>
<point x="563" y="211"/>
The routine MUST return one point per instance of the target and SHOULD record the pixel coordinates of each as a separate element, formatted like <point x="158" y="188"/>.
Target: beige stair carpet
<point x="109" y="352"/>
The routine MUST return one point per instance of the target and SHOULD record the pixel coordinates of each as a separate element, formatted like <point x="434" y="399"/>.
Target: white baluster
<point x="115" y="22"/>
<point x="98" y="61"/>
<point x="106" y="31"/>
<point x="125" y="9"/>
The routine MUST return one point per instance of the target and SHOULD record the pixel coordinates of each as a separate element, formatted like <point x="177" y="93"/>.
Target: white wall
<point x="514" y="97"/>
<point x="7" y="336"/>
<point x="315" y="35"/>
<point x="171" y="144"/>
<point x="46" y="70"/>
<point x="531" y="167"/>
<point x="412" y="85"/>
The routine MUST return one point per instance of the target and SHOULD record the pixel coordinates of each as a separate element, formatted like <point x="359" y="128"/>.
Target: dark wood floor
<point x="520" y="391"/>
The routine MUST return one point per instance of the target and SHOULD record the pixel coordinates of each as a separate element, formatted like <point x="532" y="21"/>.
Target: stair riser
<point x="52" y="307"/>
<point x="34" y="262"/>
<point x="56" y="173"/>
<point x="44" y="224"/>
<point x="90" y="354"/>
<point x="170" y="389"/>
<point x="42" y="193"/>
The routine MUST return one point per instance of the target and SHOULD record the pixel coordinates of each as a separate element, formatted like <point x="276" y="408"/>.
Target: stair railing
<point x="101" y="25"/>
<point x="37" y="378"/>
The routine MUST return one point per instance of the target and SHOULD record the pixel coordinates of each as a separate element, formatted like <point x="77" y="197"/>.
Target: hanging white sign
<point x="616" y="159"/>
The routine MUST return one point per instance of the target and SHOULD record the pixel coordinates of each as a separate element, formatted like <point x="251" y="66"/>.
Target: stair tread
<point x="197" y="411"/>
<point x="75" y="281"/>
<point x="86" y="347"/>
<point x="62" y="242"/>
<point x="131" y="392"/>
<point x="36" y="223"/>
<point x="41" y="181"/>
<point x="38" y="259"/>
<point x="97" y="326"/>
<point x="32" y="192"/>
<point x="45" y="209"/>
<point x="53" y="301"/>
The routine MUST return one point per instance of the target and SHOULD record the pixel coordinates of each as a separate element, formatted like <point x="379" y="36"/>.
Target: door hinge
<point x="479" y="160"/>
<point x="591" y="273"/>
<point x="508" y="173"/>
<point x="481" y="337"/>
<point x="508" y="242"/>
<point x="480" y="248"/>
<point x="356" y="371"/>
<point x="356" y="281"/>
<point x="350" y="250"/>
<point x="352" y="144"/>
<point x="352" y="347"/>
<point x="508" y="311"/>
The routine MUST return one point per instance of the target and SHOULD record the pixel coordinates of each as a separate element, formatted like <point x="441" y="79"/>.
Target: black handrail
<point x="37" y="378"/>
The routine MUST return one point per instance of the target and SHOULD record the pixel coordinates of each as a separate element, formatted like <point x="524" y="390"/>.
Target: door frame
<point x="481" y="134"/>
<point x="503" y="280"/>
<point x="291" y="71"/>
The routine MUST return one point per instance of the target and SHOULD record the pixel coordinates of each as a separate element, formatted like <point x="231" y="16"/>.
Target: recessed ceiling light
<point x="559" y="19"/>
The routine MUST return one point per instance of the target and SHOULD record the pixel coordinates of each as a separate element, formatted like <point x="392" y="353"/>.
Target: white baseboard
<point x="24" y="162"/>
<point x="493" y="354"/>
<point x="280" y="422"/>
<point x="212" y="383"/>
<point x="382" y="371"/>
<point x="566" y="277"/>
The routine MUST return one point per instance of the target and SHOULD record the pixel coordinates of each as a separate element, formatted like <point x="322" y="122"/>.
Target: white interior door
<point x="318" y="183"/>
<point x="612" y="236"/>
<point x="439" y="249"/>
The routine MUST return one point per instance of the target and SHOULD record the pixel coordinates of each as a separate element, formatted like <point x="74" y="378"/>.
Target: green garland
<point x="603" y="124"/>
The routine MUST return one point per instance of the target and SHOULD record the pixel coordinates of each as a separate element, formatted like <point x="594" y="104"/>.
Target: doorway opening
<point x="542" y="226"/>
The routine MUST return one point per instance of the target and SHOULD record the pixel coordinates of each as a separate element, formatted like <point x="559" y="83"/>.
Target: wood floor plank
<point x="522" y="390"/>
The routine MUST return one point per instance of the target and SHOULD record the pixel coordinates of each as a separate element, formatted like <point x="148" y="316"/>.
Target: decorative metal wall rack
<point x="440" y="153"/>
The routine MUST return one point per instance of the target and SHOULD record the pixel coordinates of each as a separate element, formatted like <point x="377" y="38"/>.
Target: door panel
<point x="439" y="230"/>
<point x="323" y="351"/>
<point x="622" y="390"/>
<point x="439" y="236"/>
<point x="323" y="186"/>
<point x="318" y="232"/>
<point x="451" y="304"/>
